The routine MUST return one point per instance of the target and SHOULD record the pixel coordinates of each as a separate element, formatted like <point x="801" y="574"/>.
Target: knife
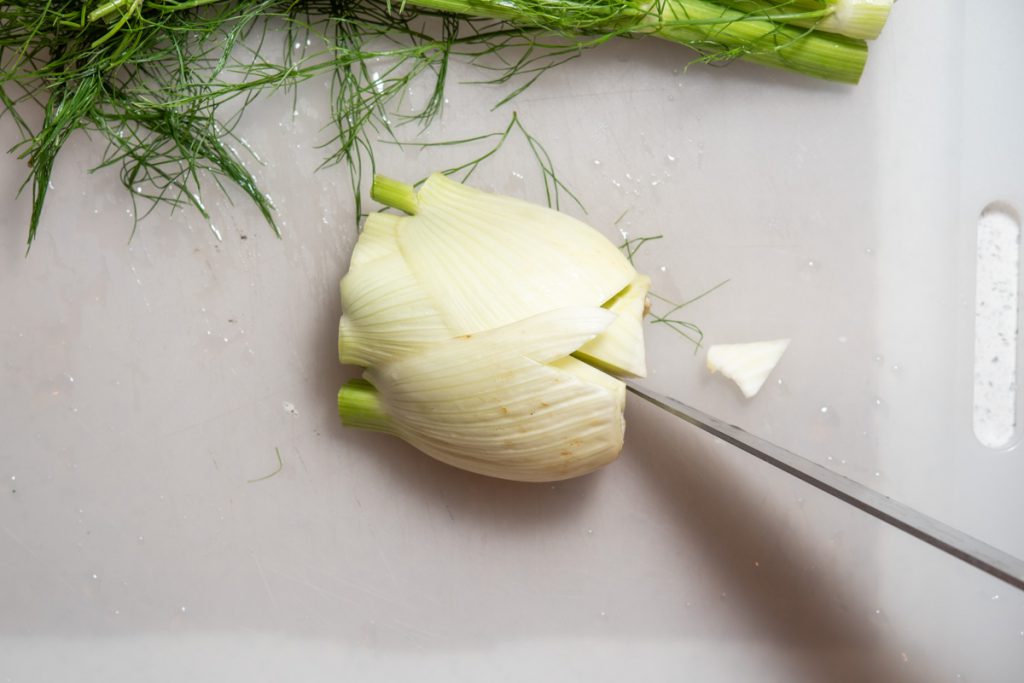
<point x="960" y="545"/>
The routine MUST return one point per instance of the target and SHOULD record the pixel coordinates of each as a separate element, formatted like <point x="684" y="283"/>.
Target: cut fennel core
<point x="492" y="332"/>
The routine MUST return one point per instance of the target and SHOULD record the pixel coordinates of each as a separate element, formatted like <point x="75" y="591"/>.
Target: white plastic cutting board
<point x="146" y="383"/>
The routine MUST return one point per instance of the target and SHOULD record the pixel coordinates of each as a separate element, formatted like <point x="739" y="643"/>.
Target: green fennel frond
<point x="165" y="83"/>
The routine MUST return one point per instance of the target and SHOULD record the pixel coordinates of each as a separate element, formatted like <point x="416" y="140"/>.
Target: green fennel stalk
<point x="359" y="406"/>
<point x="713" y="29"/>
<point x="854" y="18"/>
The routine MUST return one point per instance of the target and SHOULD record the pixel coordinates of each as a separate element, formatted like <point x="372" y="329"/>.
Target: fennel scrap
<point x="747" y="364"/>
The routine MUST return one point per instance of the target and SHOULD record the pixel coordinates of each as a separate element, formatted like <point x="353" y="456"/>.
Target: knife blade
<point x="959" y="544"/>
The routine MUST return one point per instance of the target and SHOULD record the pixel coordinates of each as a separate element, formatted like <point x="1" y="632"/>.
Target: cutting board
<point x="152" y="382"/>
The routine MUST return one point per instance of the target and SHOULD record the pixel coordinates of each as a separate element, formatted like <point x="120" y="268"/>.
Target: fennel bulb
<point x="491" y="331"/>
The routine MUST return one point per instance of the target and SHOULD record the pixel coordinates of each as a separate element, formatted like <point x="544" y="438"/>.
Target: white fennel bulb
<point x="488" y="326"/>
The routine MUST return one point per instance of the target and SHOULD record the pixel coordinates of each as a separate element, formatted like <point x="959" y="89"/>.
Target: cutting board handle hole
<point x="996" y="325"/>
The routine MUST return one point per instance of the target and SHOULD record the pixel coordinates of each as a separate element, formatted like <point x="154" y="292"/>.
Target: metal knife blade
<point x="960" y="545"/>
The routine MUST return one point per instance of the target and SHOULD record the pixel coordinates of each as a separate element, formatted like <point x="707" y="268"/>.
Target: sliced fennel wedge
<point x="748" y="364"/>
<point x="620" y="348"/>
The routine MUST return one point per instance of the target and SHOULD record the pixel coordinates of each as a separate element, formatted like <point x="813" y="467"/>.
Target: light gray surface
<point x="146" y="383"/>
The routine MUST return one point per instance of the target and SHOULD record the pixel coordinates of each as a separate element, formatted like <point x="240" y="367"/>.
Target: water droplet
<point x="517" y="175"/>
<point x="663" y="269"/>
<point x="756" y="564"/>
<point x="95" y="577"/>
<point x="597" y="162"/>
<point x="878" y="402"/>
<point x="141" y="539"/>
<point x="811" y="264"/>
<point x="670" y="157"/>
<point x="879" y="358"/>
<point x="183" y="609"/>
<point x="604" y="614"/>
<point x="117" y="612"/>
<point x="869" y="251"/>
<point x="895" y="368"/>
<point x="995" y="597"/>
<point x="823" y="409"/>
<point x="590" y="531"/>
<point x="877" y="473"/>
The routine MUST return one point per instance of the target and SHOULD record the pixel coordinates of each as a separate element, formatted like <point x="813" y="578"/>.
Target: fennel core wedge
<point x="493" y="332"/>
